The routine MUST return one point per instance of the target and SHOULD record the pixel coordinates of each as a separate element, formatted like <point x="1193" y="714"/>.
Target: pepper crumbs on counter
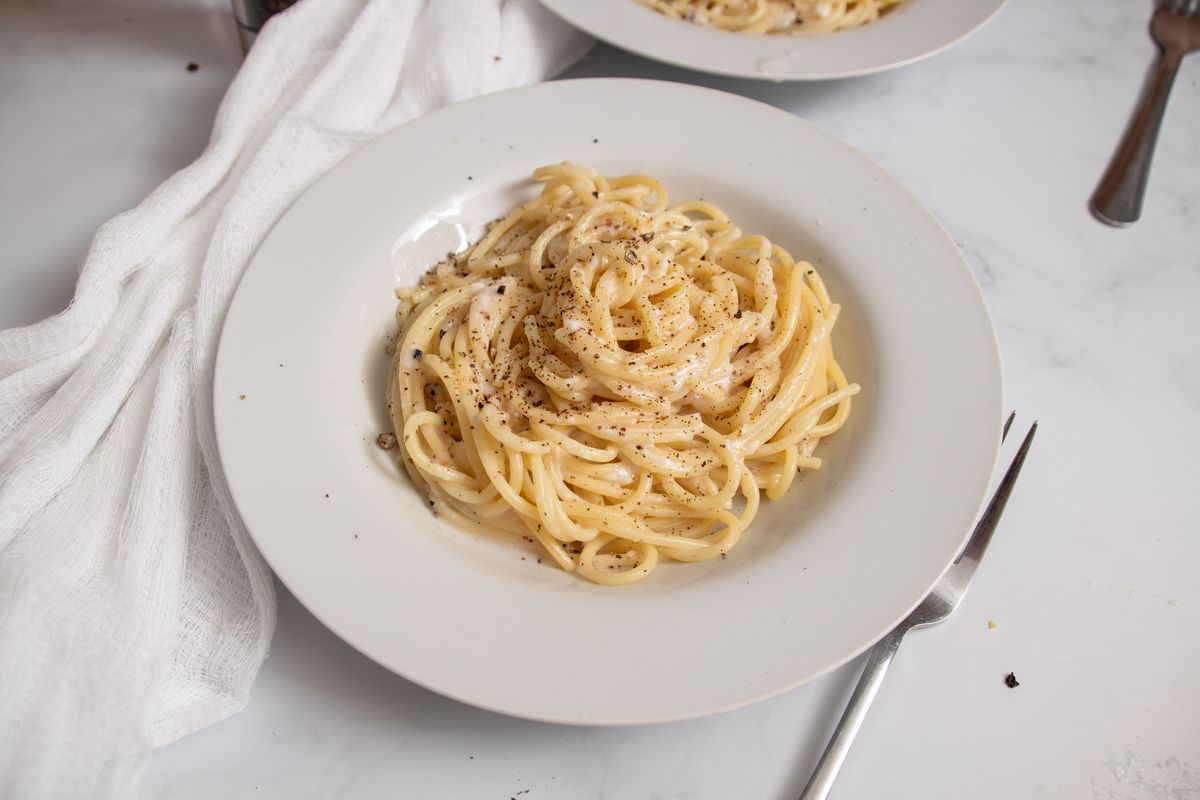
<point x="1010" y="680"/>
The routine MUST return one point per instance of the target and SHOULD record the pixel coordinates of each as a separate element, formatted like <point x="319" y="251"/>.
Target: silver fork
<point x="1175" y="27"/>
<point x="938" y="605"/>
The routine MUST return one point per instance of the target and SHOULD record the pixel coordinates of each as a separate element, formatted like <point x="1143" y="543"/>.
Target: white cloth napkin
<point x="134" y="609"/>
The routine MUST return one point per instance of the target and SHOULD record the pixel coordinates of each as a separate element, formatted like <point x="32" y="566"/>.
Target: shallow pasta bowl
<point x="823" y="572"/>
<point x="913" y="31"/>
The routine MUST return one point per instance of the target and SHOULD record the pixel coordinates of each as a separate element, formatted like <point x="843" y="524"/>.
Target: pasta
<point x="614" y="378"/>
<point x="775" y="16"/>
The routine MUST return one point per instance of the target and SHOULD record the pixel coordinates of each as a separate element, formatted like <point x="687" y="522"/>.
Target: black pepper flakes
<point x="416" y="354"/>
<point x="1010" y="680"/>
<point x="192" y="66"/>
<point x="501" y="288"/>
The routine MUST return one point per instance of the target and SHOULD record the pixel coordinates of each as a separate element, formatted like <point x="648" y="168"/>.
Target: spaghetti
<point x="614" y="378"/>
<point x="775" y="16"/>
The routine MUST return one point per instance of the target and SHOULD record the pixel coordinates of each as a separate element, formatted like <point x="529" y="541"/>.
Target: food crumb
<point x="991" y="624"/>
<point x="241" y="397"/>
<point x="1010" y="680"/>
<point x="386" y="441"/>
<point x="192" y="66"/>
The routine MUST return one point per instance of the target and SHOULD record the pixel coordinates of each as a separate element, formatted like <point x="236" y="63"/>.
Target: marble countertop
<point x="1091" y="581"/>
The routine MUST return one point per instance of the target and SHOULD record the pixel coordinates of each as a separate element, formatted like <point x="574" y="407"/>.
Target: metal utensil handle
<point x="1118" y="198"/>
<point x="835" y="753"/>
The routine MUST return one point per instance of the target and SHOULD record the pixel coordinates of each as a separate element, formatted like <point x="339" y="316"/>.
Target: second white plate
<point x="822" y="573"/>
<point x="915" y="30"/>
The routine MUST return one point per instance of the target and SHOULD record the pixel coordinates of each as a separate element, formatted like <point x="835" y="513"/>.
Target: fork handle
<point x="1118" y="198"/>
<point x="835" y="753"/>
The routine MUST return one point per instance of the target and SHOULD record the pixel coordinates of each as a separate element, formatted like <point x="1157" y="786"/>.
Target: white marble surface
<point x="1092" y="579"/>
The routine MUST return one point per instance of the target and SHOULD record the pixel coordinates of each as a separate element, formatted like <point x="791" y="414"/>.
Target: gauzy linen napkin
<point x="134" y="609"/>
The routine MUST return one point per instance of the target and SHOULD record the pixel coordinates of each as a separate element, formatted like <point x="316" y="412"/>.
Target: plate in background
<point x="917" y="29"/>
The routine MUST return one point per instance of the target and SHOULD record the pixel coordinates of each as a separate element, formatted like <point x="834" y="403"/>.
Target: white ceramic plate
<point x="822" y="574"/>
<point x="915" y="30"/>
